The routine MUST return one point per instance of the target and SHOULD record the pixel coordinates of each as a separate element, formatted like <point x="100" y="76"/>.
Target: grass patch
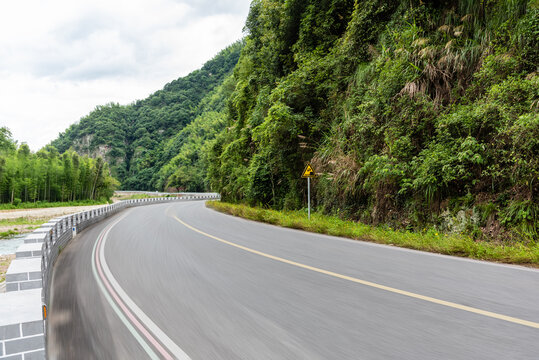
<point x="429" y="240"/>
<point x="18" y="226"/>
<point x="141" y="196"/>
<point x="22" y="221"/>
<point x="46" y="204"/>
<point x="147" y="196"/>
<point x="8" y="234"/>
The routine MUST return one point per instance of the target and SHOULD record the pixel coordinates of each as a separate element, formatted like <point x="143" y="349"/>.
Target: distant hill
<point x="135" y="139"/>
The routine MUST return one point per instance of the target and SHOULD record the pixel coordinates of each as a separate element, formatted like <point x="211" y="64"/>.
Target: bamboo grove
<point x="49" y="176"/>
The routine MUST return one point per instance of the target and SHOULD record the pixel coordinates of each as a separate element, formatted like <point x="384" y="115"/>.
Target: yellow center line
<point x="369" y="283"/>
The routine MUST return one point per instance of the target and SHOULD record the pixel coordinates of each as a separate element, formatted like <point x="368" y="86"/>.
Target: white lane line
<point x="174" y="349"/>
<point x="134" y="320"/>
<point x="126" y="322"/>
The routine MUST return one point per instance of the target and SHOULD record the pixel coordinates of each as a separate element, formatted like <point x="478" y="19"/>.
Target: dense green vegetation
<point x="31" y="179"/>
<point x="414" y="113"/>
<point x="426" y="240"/>
<point x="139" y="139"/>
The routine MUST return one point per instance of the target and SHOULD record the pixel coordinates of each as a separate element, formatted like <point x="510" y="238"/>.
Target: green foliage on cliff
<point x="413" y="112"/>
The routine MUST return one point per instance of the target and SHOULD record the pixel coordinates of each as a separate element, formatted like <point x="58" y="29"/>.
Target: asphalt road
<point x="182" y="281"/>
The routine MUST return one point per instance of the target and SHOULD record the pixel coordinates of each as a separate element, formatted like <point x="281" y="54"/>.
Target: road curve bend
<point x="180" y="281"/>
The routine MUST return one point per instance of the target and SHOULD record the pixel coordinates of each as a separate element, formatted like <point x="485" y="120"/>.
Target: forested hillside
<point x="49" y="176"/>
<point x="136" y="139"/>
<point x="413" y="112"/>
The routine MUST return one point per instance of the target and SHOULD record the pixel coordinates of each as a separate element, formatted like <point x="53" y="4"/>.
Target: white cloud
<point x="61" y="58"/>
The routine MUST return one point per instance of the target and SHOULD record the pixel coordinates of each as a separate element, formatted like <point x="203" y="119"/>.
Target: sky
<point x="59" y="59"/>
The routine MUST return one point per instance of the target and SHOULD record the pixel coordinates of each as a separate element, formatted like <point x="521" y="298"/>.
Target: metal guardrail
<point x="62" y="232"/>
<point x="23" y="331"/>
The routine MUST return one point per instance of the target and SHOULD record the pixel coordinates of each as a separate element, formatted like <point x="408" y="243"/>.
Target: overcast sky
<point x="61" y="58"/>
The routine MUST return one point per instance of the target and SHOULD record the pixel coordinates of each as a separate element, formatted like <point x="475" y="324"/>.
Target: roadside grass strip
<point x="134" y="319"/>
<point x="430" y="240"/>
<point x="46" y="204"/>
<point x="368" y="283"/>
<point x="23" y="221"/>
<point x="19" y="226"/>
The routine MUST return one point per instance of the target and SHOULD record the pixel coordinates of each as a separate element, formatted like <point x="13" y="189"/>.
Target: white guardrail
<point x="23" y="307"/>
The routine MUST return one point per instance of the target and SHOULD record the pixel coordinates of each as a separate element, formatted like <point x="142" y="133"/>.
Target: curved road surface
<point x="182" y="281"/>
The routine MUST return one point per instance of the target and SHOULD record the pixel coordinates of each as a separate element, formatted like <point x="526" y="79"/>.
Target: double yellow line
<point x="369" y="283"/>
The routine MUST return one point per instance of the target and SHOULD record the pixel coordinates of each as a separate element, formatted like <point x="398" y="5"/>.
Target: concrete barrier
<point x="29" y="250"/>
<point x="37" y="236"/>
<point x="22" y="323"/>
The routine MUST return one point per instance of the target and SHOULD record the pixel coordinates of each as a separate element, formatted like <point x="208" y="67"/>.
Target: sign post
<point x="309" y="197"/>
<point x="308" y="173"/>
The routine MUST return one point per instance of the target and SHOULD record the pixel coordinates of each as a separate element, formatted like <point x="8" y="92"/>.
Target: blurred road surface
<point x="183" y="281"/>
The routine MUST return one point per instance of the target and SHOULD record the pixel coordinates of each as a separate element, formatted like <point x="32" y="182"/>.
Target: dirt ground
<point x="5" y="260"/>
<point x="38" y="214"/>
<point x="35" y="215"/>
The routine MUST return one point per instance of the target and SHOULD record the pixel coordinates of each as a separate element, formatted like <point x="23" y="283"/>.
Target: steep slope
<point x="413" y="112"/>
<point x="133" y="138"/>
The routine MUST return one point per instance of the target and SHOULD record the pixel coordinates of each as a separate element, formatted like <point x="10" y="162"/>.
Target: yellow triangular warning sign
<point x="308" y="172"/>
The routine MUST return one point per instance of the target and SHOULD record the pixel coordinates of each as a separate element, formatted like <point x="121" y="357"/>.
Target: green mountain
<point x="135" y="139"/>
<point x="412" y="112"/>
